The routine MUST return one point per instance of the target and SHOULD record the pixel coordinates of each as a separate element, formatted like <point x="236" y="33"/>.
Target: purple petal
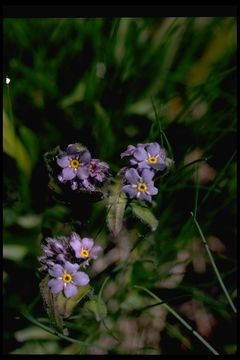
<point x="132" y="176"/>
<point x="143" y="165"/>
<point x="76" y="246"/>
<point x="158" y="166"/>
<point x="85" y="157"/>
<point x="60" y="178"/>
<point x="152" y="190"/>
<point x="68" y="173"/>
<point x="95" y="251"/>
<point x="70" y="290"/>
<point x="71" y="268"/>
<point x="72" y="149"/>
<point x="128" y="189"/>
<point x="75" y="237"/>
<point x="144" y="196"/>
<point x="80" y="278"/>
<point x="56" y="271"/>
<point x="87" y="243"/>
<point x="88" y="185"/>
<point x="130" y="150"/>
<point x="82" y="172"/>
<point x="74" y="185"/>
<point x="133" y="162"/>
<point x="63" y="161"/>
<point x="147" y="176"/>
<point x="140" y="154"/>
<point x="153" y="148"/>
<point x="61" y="258"/>
<point x="56" y="285"/>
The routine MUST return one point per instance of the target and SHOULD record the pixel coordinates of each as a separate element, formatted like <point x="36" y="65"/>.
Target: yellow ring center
<point x="152" y="159"/>
<point x="74" y="164"/>
<point x="67" y="278"/>
<point x="85" y="252"/>
<point x="142" y="187"/>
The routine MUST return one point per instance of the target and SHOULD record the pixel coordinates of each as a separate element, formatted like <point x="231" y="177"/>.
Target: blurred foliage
<point x="108" y="83"/>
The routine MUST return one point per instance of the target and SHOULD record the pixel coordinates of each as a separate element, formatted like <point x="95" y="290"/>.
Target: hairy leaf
<point x="116" y="206"/>
<point x="144" y="214"/>
<point x="66" y="306"/>
<point x="49" y="302"/>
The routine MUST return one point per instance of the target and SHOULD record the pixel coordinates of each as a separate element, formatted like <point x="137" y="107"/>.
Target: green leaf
<point x="143" y="213"/>
<point x="116" y="206"/>
<point x="49" y="302"/>
<point x="31" y="142"/>
<point x="98" y="307"/>
<point x="76" y="96"/>
<point x="13" y="147"/>
<point x="66" y="306"/>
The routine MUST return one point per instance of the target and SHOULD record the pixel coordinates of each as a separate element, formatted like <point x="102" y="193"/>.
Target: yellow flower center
<point x="152" y="159"/>
<point x="67" y="278"/>
<point x="74" y="164"/>
<point x="142" y="187"/>
<point x="85" y="252"/>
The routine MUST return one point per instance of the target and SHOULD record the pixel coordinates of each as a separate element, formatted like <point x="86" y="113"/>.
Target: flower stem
<point x="213" y="264"/>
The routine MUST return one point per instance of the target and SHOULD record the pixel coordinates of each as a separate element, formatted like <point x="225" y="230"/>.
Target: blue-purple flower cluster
<point x="80" y="170"/>
<point x="145" y="161"/>
<point x="63" y="257"/>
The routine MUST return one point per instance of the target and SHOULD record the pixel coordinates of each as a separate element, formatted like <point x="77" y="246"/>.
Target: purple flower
<point x="73" y="164"/>
<point x="67" y="278"/>
<point x="54" y="252"/>
<point x="84" y="248"/>
<point x="139" y="186"/>
<point x="152" y="156"/>
<point x="98" y="170"/>
<point x="130" y="150"/>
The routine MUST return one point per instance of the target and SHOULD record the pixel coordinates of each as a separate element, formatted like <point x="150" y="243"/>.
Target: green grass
<point x="170" y="80"/>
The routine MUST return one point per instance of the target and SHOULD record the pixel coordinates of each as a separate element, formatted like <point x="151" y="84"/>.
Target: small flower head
<point x="54" y="252"/>
<point x="67" y="278"/>
<point x="152" y="156"/>
<point x="73" y="164"/>
<point x="138" y="185"/>
<point x="84" y="248"/>
<point x="130" y="150"/>
<point x="98" y="170"/>
<point x="79" y="171"/>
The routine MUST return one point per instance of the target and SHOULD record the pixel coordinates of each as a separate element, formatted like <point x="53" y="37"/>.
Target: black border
<point x="38" y="11"/>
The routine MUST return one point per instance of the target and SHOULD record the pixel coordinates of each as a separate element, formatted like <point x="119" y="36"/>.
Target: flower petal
<point x="56" y="271"/>
<point x="159" y="166"/>
<point x="71" y="268"/>
<point x="128" y="189"/>
<point x="70" y="290"/>
<point x="144" y="196"/>
<point x="63" y="161"/>
<point x="56" y="285"/>
<point x="82" y="172"/>
<point x="76" y="246"/>
<point x="68" y="173"/>
<point x="153" y="148"/>
<point x="140" y="154"/>
<point x="132" y="176"/>
<point x="130" y="150"/>
<point x="85" y="157"/>
<point x="87" y="243"/>
<point x="80" y="278"/>
<point x="152" y="189"/>
<point x="75" y="237"/>
<point x="147" y="175"/>
<point x="95" y="251"/>
<point x="72" y="149"/>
